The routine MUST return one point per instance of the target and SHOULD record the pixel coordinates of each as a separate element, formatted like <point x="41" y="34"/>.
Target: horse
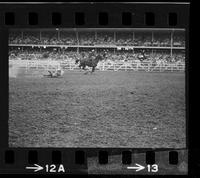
<point x="91" y="61"/>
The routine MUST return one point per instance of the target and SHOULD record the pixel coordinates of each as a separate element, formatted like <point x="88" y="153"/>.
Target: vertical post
<point x="152" y="36"/>
<point x="59" y="50"/>
<point x="133" y="37"/>
<point x="95" y="35"/>
<point x="40" y="35"/>
<point x="115" y="37"/>
<point x="77" y="37"/>
<point x="62" y="52"/>
<point x="22" y="35"/>
<point x="172" y="34"/>
<point x="59" y="34"/>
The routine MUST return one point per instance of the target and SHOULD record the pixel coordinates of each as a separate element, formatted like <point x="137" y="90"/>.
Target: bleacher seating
<point x="89" y="39"/>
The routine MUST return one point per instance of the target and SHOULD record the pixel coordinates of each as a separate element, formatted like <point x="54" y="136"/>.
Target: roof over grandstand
<point x="97" y="29"/>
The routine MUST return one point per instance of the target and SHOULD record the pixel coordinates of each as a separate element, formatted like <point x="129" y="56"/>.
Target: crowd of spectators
<point x="179" y="41"/>
<point x="86" y="38"/>
<point x="90" y="38"/>
<point x="102" y="38"/>
<point x="72" y="55"/>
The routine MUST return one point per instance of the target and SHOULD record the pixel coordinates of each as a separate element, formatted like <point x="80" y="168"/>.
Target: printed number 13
<point x="152" y="168"/>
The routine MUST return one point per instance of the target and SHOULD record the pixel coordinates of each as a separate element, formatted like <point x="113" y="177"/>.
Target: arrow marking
<point x="137" y="168"/>
<point x="37" y="168"/>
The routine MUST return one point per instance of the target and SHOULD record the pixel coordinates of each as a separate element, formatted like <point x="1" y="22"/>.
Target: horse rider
<point x="92" y="54"/>
<point x="56" y="73"/>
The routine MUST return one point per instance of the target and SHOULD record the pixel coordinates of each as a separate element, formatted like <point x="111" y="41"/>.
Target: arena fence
<point x="132" y="66"/>
<point x="102" y="66"/>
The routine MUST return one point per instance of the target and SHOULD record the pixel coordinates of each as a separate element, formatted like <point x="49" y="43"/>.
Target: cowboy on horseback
<point x="91" y="61"/>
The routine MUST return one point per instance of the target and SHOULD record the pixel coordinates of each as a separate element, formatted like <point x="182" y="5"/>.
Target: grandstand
<point x="164" y="47"/>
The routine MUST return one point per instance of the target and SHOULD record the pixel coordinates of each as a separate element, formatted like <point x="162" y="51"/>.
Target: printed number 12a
<point x="52" y="168"/>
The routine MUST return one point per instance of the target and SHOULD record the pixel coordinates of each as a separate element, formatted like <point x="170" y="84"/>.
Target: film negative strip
<point x="94" y="88"/>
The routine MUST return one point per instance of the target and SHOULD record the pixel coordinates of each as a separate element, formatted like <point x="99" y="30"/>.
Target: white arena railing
<point x="159" y="66"/>
<point x="131" y="66"/>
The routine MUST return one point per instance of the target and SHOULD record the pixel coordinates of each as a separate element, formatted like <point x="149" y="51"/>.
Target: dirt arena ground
<point x="105" y="109"/>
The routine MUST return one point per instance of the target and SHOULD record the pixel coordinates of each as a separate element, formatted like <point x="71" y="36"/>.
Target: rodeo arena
<point x="97" y="87"/>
